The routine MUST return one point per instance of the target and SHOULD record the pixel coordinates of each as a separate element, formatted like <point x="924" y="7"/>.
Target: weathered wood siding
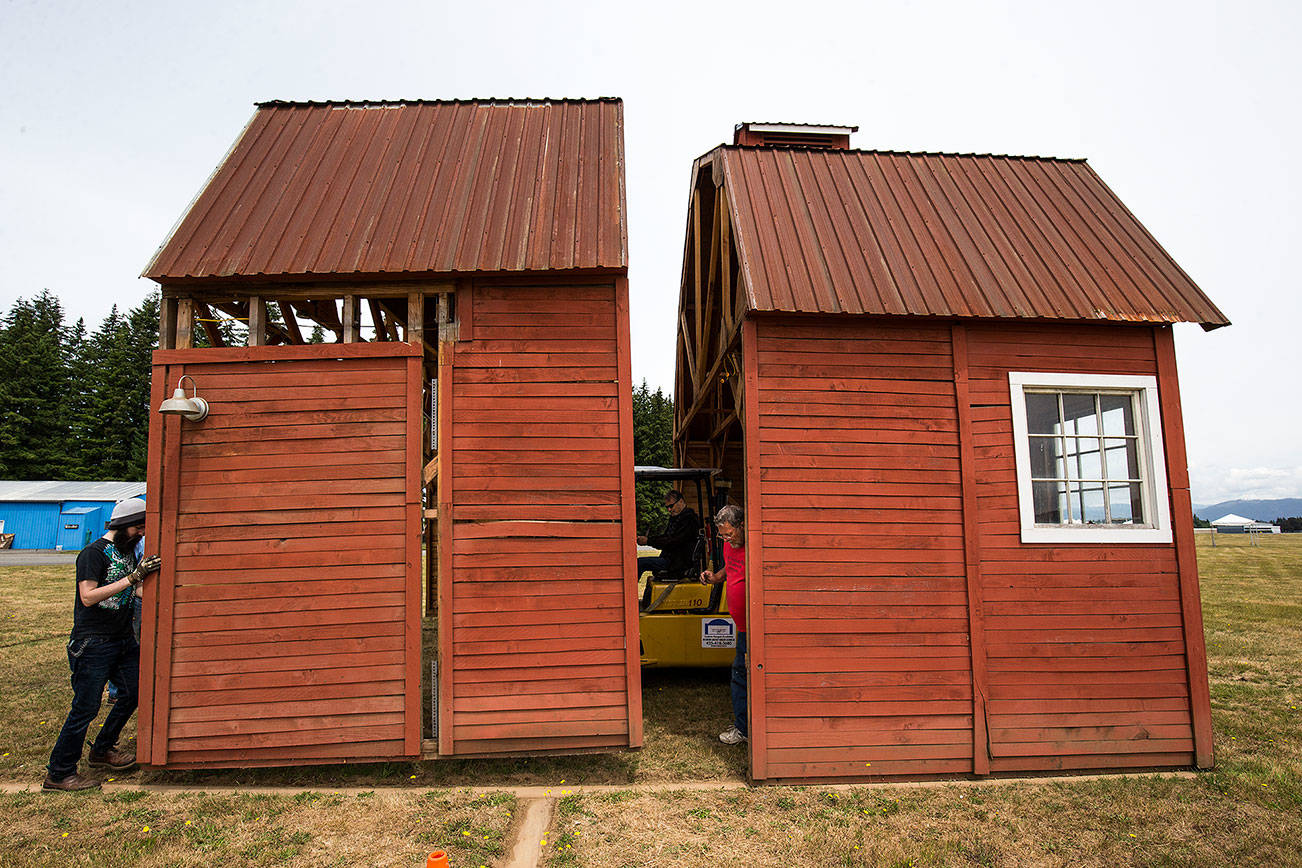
<point x="860" y="600"/>
<point x="899" y="626"/>
<point x="1085" y="643"/>
<point x="284" y="626"/>
<point x="536" y="620"/>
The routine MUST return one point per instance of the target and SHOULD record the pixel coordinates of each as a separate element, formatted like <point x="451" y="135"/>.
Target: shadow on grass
<point x="684" y="710"/>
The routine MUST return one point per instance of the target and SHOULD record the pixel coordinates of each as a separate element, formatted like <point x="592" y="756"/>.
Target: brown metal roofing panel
<point x="410" y="187"/>
<point x="947" y="235"/>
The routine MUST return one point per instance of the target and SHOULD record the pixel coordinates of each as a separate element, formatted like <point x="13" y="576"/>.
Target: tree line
<point x="74" y="403"/>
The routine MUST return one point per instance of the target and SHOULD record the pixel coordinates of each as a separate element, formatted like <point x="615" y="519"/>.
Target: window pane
<point x="1078" y="413"/>
<point x="1046" y="463"/>
<point x="1123" y="459"/>
<point x="1091" y="503"/>
<point x="1050" y="502"/>
<point x="1126" y="504"/>
<point x="1082" y="459"/>
<point x="1118" y="414"/>
<point x="1041" y="413"/>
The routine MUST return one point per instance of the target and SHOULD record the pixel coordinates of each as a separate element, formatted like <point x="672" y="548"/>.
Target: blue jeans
<point x="651" y="562"/>
<point x="739" y="686"/>
<point x="93" y="661"/>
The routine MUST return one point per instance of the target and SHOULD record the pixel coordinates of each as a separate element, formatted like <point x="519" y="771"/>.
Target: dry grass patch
<point x="1130" y="821"/>
<point x="196" y="829"/>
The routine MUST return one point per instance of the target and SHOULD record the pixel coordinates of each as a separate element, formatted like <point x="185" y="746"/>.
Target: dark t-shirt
<point x="102" y="563"/>
<point x="678" y="542"/>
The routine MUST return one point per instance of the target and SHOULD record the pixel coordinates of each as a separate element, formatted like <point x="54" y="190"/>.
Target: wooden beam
<point x="1177" y="474"/>
<point x="257" y="321"/>
<point x="351" y="320"/>
<point x="185" y="323"/>
<point x="166" y="330"/>
<point x="971" y="552"/>
<point x="415" y="317"/>
<point x="377" y="316"/>
<point x="291" y="321"/>
<point x="696" y="279"/>
<point x="431" y="471"/>
<point x="723" y="425"/>
<point x="756" y="651"/>
<point x="208" y="320"/>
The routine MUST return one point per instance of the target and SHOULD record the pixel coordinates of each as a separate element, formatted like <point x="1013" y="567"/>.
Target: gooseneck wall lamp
<point x="193" y="408"/>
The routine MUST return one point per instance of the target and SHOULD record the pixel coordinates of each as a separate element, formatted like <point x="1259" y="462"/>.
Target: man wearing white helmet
<point x="103" y="646"/>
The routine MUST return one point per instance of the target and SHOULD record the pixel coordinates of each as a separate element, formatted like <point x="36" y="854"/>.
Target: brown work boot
<point x="113" y="758"/>
<point x="71" y="784"/>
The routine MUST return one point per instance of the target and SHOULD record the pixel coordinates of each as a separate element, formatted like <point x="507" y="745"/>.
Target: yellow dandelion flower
<point x="467" y="834"/>
<point x="145" y="829"/>
<point x="65" y="834"/>
<point x="187" y="822"/>
<point x="111" y="780"/>
<point x="6" y="753"/>
<point x="544" y="842"/>
<point x="562" y="781"/>
<point x="413" y="777"/>
<point x="1133" y="835"/>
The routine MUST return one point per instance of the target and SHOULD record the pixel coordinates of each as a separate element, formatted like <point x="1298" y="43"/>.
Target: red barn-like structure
<point x="468" y="259"/>
<point x="944" y="387"/>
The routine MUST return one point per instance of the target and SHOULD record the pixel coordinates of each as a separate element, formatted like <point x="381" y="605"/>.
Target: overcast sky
<point x="114" y="114"/>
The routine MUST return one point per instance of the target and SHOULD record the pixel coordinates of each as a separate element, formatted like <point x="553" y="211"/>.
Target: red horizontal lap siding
<point x="1084" y="642"/>
<point x="538" y="597"/>
<point x="281" y="635"/>
<point x="862" y="588"/>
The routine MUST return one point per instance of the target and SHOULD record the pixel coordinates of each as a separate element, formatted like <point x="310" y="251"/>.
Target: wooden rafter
<point x="709" y="390"/>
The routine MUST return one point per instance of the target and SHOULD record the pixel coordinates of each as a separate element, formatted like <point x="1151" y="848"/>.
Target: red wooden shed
<point x="446" y="481"/>
<point x="944" y="388"/>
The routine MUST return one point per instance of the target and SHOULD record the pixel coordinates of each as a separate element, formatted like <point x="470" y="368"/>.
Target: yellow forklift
<point x="685" y="623"/>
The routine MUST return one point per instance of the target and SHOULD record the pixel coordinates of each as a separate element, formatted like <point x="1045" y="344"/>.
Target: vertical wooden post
<point x="351" y="318"/>
<point x="153" y="530"/>
<point x="416" y="318"/>
<point x="167" y="323"/>
<point x="971" y="553"/>
<point x="756" y="650"/>
<point x="446" y="362"/>
<point x="628" y="515"/>
<point x="164" y="581"/>
<point x="257" y="321"/>
<point x="185" y="323"/>
<point x="414" y="518"/>
<point x="1177" y="474"/>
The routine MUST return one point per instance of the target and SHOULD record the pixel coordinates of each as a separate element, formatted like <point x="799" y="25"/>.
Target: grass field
<point x="1247" y="811"/>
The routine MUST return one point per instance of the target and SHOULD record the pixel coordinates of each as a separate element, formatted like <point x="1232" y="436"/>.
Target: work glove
<point x="145" y="567"/>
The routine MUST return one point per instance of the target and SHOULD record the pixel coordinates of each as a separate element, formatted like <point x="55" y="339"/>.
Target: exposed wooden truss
<point x="397" y="312"/>
<point x="712" y="304"/>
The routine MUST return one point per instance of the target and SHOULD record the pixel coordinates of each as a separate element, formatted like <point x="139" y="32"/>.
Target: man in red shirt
<point x="730" y="522"/>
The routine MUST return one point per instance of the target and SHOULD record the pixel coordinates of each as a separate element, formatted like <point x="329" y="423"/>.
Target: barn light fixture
<point x="193" y="408"/>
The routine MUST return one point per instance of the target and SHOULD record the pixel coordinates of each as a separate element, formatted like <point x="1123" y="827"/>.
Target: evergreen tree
<point x="114" y="377"/>
<point x="653" y="431"/>
<point x="34" y="439"/>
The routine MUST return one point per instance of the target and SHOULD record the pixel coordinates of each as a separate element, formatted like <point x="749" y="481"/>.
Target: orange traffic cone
<point x="437" y="859"/>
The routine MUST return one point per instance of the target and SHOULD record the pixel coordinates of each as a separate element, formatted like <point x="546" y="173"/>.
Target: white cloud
<point x="1213" y="484"/>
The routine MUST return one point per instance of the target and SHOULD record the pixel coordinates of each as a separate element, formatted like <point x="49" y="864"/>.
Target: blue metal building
<point x="59" y="515"/>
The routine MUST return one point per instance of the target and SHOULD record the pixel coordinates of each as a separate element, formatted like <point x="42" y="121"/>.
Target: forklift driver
<point x="676" y="544"/>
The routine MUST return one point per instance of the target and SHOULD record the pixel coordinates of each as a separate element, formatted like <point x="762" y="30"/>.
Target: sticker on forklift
<point x="718" y="633"/>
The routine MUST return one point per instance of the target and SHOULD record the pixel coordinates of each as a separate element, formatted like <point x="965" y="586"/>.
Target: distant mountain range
<point x="1260" y="510"/>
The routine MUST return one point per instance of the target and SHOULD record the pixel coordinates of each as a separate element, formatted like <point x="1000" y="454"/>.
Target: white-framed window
<point x="1090" y="463"/>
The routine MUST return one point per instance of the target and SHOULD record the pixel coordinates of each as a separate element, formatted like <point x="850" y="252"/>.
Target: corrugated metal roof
<point x="410" y="187"/>
<point x="835" y="231"/>
<point x="55" y="492"/>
